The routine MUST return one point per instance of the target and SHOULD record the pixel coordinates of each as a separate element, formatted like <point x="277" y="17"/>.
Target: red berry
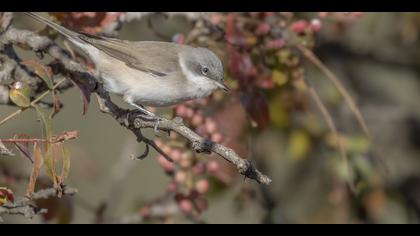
<point x="299" y="26"/>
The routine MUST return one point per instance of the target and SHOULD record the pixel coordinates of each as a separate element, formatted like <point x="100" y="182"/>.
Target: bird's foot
<point x="150" y="116"/>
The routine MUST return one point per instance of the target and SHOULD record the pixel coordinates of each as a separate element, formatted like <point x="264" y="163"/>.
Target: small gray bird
<point x="149" y="73"/>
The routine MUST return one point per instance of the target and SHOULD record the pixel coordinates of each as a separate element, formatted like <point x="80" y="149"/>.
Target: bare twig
<point x="347" y="97"/>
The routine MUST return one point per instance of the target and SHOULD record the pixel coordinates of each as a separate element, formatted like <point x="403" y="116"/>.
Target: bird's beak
<point x="223" y="86"/>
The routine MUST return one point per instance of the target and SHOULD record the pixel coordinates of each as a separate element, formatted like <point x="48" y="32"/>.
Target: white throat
<point x="200" y="84"/>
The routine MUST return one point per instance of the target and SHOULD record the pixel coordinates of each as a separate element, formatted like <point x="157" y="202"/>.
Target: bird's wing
<point x="157" y="58"/>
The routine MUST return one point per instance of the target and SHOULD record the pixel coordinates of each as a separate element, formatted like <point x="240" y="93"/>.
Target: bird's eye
<point x="205" y="70"/>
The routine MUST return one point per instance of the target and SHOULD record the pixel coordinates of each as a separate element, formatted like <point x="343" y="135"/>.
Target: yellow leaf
<point x="35" y="170"/>
<point x="66" y="164"/>
<point x="50" y="164"/>
<point x="20" y="94"/>
<point x="299" y="144"/>
<point x="279" y="77"/>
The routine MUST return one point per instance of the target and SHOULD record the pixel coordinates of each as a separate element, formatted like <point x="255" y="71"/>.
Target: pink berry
<point x="299" y="26"/>
<point x="199" y="168"/>
<point x="213" y="167"/>
<point x="263" y="28"/>
<point x="201" y="130"/>
<point x="276" y="44"/>
<point x="211" y="125"/>
<point x="176" y="154"/>
<point x="316" y="25"/>
<point x="189" y="112"/>
<point x="171" y="187"/>
<point x="202" y="186"/>
<point x="185" y="162"/>
<point x="216" y="137"/>
<point x="180" y="177"/>
<point x="181" y="110"/>
<point x="186" y="206"/>
<point x="165" y="164"/>
<point x="197" y="119"/>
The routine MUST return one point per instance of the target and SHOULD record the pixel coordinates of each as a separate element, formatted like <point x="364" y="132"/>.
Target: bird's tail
<point x="71" y="35"/>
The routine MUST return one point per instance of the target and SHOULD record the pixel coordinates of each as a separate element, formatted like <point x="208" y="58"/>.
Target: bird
<point x="148" y="73"/>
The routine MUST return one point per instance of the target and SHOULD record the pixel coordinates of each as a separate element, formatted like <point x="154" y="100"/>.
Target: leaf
<point x="20" y="94"/>
<point x="46" y="122"/>
<point x="279" y="77"/>
<point x="66" y="164"/>
<point x="256" y="105"/>
<point x="41" y="70"/>
<point x="24" y="151"/>
<point x="84" y="89"/>
<point x="36" y="168"/>
<point x="49" y="163"/>
<point x="6" y="195"/>
<point x="299" y="144"/>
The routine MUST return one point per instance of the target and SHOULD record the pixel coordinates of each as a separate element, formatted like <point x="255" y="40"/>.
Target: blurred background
<point x="270" y="118"/>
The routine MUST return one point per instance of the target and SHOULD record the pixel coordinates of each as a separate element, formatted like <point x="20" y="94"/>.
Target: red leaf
<point x="89" y="22"/>
<point x="6" y="195"/>
<point x="256" y="105"/>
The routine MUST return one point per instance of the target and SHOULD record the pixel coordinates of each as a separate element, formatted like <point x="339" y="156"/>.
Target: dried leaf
<point x="66" y="164"/>
<point x="89" y="22"/>
<point x="41" y="70"/>
<point x="49" y="163"/>
<point x="6" y="195"/>
<point x="36" y="168"/>
<point x="20" y="94"/>
<point x="84" y="89"/>
<point x="256" y="105"/>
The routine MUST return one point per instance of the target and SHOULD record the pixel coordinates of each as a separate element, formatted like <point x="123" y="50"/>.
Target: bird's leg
<point x="150" y="116"/>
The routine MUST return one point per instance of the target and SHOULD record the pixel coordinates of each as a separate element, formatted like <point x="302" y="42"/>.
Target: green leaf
<point x="46" y="122"/>
<point x="66" y="164"/>
<point x="49" y="163"/>
<point x="20" y="94"/>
